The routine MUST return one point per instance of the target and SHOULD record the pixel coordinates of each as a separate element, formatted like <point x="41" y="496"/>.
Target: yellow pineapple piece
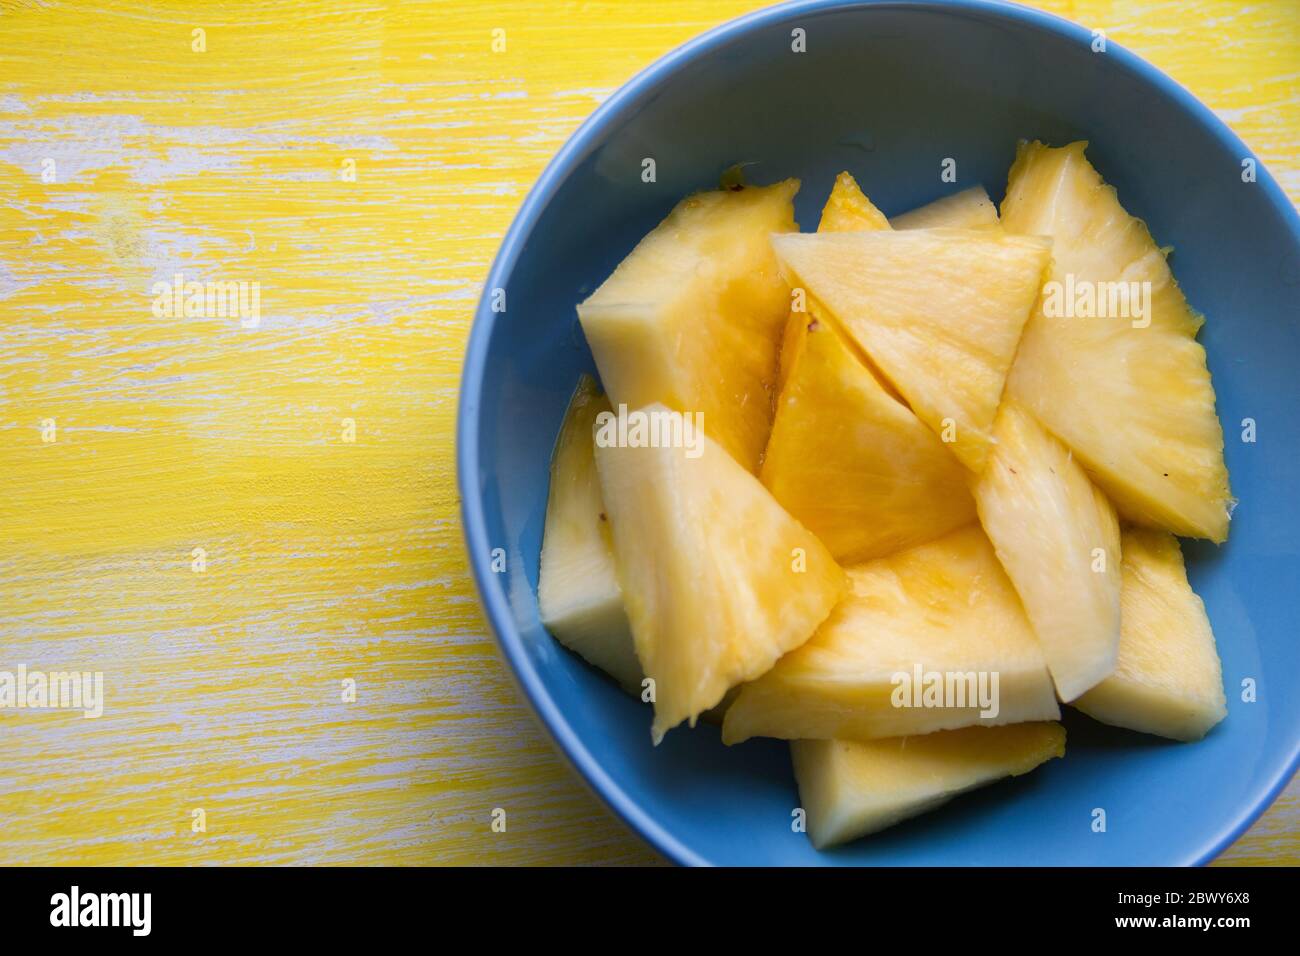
<point x="938" y="311"/>
<point x="1058" y="539"/>
<point x="942" y="608"/>
<point x="851" y="789"/>
<point x="578" y="591"/>
<point x="849" y="210"/>
<point x="581" y="602"/>
<point x="969" y="209"/>
<point x="693" y="317"/>
<point x="846" y="456"/>
<point x="717" y="579"/>
<point x="852" y="462"/>
<point x="1168" y="680"/>
<point x="1130" y="394"/>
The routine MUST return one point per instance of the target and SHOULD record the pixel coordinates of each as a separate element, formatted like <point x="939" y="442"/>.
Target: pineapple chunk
<point x="1168" y="680"/>
<point x="852" y="462"/>
<point x="851" y="789"/>
<point x="1058" y="539"/>
<point x="1131" y="395"/>
<point x="849" y="210"/>
<point x="846" y="456"/>
<point x="718" y="580"/>
<point x="969" y="209"/>
<point x="692" y="318"/>
<point x="581" y="603"/>
<point x="939" y="312"/>
<point x="943" y="608"/>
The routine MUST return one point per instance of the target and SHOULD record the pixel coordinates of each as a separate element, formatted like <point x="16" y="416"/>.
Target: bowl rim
<point x="576" y="148"/>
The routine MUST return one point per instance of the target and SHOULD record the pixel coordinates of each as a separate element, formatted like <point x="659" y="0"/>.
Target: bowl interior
<point x="889" y="91"/>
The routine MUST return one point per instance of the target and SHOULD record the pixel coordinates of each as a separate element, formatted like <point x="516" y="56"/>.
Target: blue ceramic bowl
<point x="887" y="91"/>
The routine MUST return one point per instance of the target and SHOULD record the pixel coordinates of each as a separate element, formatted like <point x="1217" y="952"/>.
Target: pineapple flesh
<point x="848" y="209"/>
<point x="718" y="580"/>
<point x="693" y="317"/>
<point x="578" y="591"/>
<point x="1129" y="393"/>
<point x="1058" y="539"/>
<point x="1168" y="680"/>
<point x="852" y="462"/>
<point x="938" y="311"/>
<point x="851" y="789"/>
<point x="904" y="398"/>
<point x="969" y="209"/>
<point x="846" y="456"/>
<point x="943" y="608"/>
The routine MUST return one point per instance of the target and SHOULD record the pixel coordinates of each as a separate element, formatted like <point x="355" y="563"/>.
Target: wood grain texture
<point x="326" y="559"/>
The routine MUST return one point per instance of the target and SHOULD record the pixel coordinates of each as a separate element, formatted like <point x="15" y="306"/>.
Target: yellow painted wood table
<point x="248" y="522"/>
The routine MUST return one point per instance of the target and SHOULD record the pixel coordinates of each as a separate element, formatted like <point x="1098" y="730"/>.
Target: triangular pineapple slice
<point x="578" y="591"/>
<point x="718" y="580"/>
<point x="847" y="457"/>
<point x="1168" y="680"/>
<point x="1129" y="393"/>
<point x="581" y="603"/>
<point x="852" y="462"/>
<point x="849" y="210"/>
<point x="1058" y="539"/>
<point x="939" y="312"/>
<point x="693" y="317"/>
<point x="969" y="209"/>
<point x="944" y="608"/>
<point x="851" y="789"/>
